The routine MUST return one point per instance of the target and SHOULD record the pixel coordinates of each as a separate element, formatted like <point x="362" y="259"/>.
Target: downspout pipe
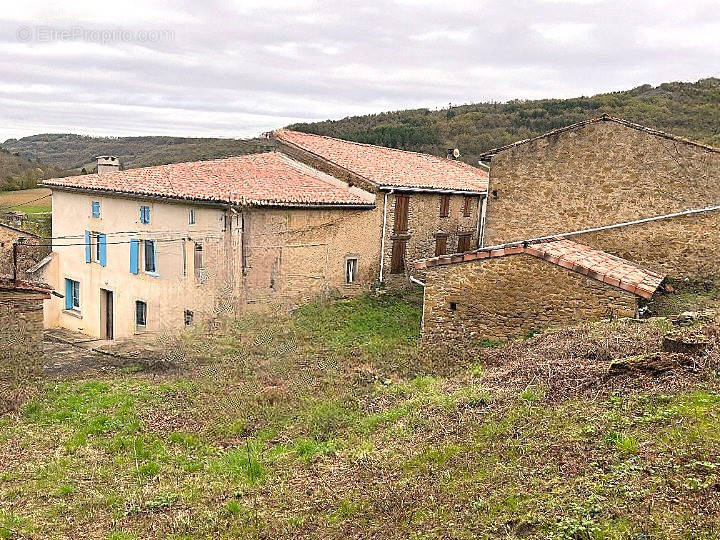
<point x="422" y="284"/>
<point x="481" y="223"/>
<point x="382" y="242"/>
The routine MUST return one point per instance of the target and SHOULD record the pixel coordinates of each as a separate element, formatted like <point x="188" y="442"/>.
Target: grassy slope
<point x="688" y="109"/>
<point x="328" y="424"/>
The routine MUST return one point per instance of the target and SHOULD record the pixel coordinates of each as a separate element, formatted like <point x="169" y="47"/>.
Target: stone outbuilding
<point x="507" y="292"/>
<point x="21" y="318"/>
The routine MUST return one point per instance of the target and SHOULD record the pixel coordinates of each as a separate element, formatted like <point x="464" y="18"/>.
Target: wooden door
<point x="107" y="319"/>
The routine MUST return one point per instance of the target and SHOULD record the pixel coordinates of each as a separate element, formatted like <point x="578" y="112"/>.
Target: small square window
<point x="351" y="269"/>
<point x="191" y="216"/>
<point x="140" y="315"/>
<point x="188" y="316"/>
<point x="453" y="306"/>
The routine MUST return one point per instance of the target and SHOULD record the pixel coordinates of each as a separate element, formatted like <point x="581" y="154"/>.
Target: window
<point x="95" y="206"/>
<point x="440" y="244"/>
<point x="402" y="203"/>
<point x="351" y="269"/>
<point x="198" y="260"/>
<point x="453" y="306"/>
<point x="145" y="215"/>
<point x="140" y="315"/>
<point x="444" y="205"/>
<point x="191" y="216"/>
<point x="188" y="316"/>
<point x="149" y="256"/>
<point x="464" y="242"/>
<point x="72" y="294"/>
<point x="397" y="260"/>
<point x="467" y="203"/>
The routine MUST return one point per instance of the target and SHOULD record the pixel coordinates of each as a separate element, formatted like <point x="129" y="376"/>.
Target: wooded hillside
<point x="690" y="110"/>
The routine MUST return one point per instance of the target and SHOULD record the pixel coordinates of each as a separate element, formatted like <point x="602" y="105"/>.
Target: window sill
<point x="152" y="274"/>
<point x="73" y="313"/>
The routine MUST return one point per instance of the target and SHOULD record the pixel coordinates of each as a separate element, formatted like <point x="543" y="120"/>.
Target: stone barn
<point x="630" y="190"/>
<point x="504" y="293"/>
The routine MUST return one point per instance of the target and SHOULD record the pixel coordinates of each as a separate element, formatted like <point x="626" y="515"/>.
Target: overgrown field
<point x="333" y="423"/>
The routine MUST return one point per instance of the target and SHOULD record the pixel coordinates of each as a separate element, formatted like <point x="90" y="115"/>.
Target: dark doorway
<point x="106" y="314"/>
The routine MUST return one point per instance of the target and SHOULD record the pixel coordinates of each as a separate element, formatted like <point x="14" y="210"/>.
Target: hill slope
<point x="17" y="172"/>
<point x="73" y="152"/>
<point x="691" y="110"/>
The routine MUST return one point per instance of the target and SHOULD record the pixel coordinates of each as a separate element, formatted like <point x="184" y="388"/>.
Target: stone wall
<point x="292" y="255"/>
<point x="21" y="329"/>
<point x="28" y="254"/>
<point x="598" y="174"/>
<point x="505" y="297"/>
<point x="424" y="222"/>
<point x="686" y="246"/>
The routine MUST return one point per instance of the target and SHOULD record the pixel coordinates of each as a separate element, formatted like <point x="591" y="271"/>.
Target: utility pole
<point x="15" y="263"/>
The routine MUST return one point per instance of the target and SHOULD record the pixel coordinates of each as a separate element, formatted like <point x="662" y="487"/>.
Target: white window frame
<point x="141" y="327"/>
<point x="351" y="269"/>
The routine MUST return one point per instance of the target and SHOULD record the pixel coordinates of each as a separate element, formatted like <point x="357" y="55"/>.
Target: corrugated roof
<point x="579" y="258"/>
<point x="267" y="179"/>
<point x="389" y="167"/>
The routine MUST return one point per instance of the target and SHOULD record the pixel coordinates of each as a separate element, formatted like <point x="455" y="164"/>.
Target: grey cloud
<point x="236" y="70"/>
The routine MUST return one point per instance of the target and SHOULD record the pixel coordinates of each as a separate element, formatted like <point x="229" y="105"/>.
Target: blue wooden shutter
<point x="134" y="255"/>
<point x="88" y="247"/>
<point x="95" y="209"/>
<point x="145" y="215"/>
<point x="68" y="294"/>
<point x="102" y="244"/>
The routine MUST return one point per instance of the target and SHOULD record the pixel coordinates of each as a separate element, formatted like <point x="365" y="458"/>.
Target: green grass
<point x="31" y="209"/>
<point x="265" y="440"/>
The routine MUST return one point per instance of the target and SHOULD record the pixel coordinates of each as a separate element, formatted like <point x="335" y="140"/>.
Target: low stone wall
<point x="21" y="331"/>
<point x="505" y="297"/>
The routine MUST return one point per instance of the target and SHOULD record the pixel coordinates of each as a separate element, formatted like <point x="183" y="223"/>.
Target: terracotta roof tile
<point x="593" y="263"/>
<point x="390" y="167"/>
<point x="267" y="179"/>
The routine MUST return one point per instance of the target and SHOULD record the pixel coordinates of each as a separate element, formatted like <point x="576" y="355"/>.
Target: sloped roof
<point x="267" y="179"/>
<point x="593" y="263"/>
<point x="7" y="283"/>
<point x="603" y="118"/>
<point x="389" y="167"/>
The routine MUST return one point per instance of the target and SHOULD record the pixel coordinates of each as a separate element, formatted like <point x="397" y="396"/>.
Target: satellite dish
<point x="456" y="153"/>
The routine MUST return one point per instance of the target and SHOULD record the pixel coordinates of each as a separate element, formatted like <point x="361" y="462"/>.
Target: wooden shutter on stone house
<point x="440" y="244"/>
<point x="444" y="205"/>
<point x="402" y="203"/>
<point x="464" y="242"/>
<point x="467" y="202"/>
<point x="397" y="261"/>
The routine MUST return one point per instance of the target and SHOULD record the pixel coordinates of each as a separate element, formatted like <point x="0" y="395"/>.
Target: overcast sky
<point x="236" y="69"/>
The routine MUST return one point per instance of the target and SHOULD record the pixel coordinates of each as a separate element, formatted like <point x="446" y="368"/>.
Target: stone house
<point x="637" y="196"/>
<point x="145" y="249"/>
<point x="507" y="292"/>
<point x="632" y="189"/>
<point x="426" y="205"/>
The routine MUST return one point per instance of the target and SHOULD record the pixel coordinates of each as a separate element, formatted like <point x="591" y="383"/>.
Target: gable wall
<point x="599" y="174"/>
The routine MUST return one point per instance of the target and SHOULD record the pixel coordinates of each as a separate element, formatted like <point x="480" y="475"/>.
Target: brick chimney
<point x="107" y="164"/>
